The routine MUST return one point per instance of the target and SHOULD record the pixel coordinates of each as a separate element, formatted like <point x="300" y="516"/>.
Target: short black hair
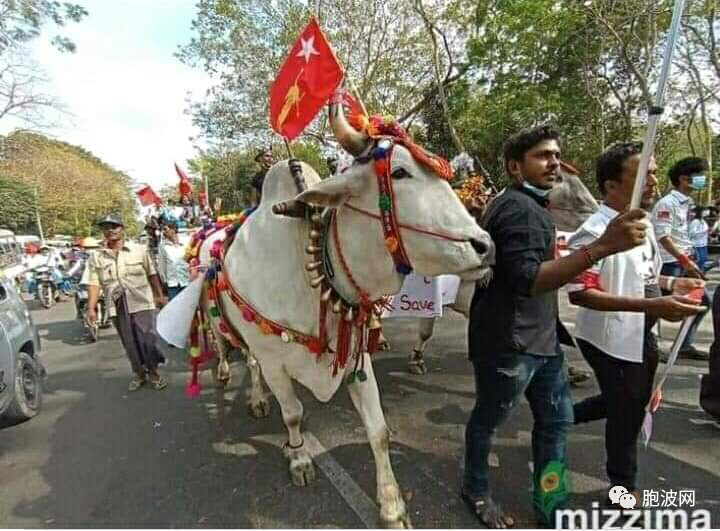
<point x="520" y="143"/>
<point x="686" y="166"/>
<point x="609" y="165"/>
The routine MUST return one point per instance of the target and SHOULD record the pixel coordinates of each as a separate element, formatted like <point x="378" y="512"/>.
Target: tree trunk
<point x="438" y="78"/>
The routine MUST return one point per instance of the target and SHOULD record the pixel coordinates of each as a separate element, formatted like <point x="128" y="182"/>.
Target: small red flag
<point x="305" y="82"/>
<point x="147" y="196"/>
<point x="184" y="187"/>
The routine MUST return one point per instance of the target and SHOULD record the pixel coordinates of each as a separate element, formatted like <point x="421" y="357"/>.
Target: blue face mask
<point x="698" y="182"/>
<point x="540" y="192"/>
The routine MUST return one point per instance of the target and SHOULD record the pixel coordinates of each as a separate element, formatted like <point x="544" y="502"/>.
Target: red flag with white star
<point x="305" y="82"/>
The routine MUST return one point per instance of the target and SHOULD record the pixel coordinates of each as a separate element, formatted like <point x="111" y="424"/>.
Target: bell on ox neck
<point x="374" y="322"/>
<point x="316" y="219"/>
<point x="317" y="281"/>
<point x="349" y="315"/>
<point x="312" y="249"/>
<point x="315" y="234"/>
<point x="337" y="306"/>
<point x="326" y="295"/>
<point x="313" y="266"/>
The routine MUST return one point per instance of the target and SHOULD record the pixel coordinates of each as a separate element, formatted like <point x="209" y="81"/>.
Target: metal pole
<point x="656" y="110"/>
<point x="37" y="215"/>
<point x="207" y="193"/>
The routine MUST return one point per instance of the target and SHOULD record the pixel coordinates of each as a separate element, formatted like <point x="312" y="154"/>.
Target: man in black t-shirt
<point x="513" y="342"/>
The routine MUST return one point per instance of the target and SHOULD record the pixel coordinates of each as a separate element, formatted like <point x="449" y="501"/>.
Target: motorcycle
<point x="44" y="284"/>
<point x="103" y="315"/>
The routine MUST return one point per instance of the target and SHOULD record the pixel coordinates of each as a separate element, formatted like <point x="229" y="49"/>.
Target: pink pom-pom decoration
<point x="248" y="315"/>
<point x="192" y="389"/>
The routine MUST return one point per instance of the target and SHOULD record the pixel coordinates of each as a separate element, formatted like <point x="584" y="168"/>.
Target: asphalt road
<point x="98" y="456"/>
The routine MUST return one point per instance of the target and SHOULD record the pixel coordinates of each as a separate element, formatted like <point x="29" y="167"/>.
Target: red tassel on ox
<point x="343" y="344"/>
<point x="323" y="330"/>
<point x="192" y="389"/>
<point x="373" y="340"/>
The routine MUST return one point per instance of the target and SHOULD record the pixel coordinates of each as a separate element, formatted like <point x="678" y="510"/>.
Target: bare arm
<point x="624" y="232"/>
<point x="671" y="308"/>
<point x="553" y="274"/>
<point x="669" y="246"/>
<point x="93" y="295"/>
<point x="156" y="286"/>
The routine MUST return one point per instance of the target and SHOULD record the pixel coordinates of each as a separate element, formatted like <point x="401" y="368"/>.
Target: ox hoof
<point x="222" y="374"/>
<point x="417" y="367"/>
<point x="259" y="408"/>
<point x="393" y="512"/>
<point x="401" y="523"/>
<point x="302" y="469"/>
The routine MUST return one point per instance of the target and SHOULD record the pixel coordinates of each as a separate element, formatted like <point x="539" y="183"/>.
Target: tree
<point x="22" y="20"/>
<point x="242" y="43"/>
<point x="17" y="212"/>
<point x="229" y="171"/>
<point x="74" y="188"/>
<point x="23" y="94"/>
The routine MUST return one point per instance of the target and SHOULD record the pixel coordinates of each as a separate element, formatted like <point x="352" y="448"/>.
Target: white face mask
<point x="540" y="192"/>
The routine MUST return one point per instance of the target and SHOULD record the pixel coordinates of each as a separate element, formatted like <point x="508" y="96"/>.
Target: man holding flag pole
<point x="622" y="289"/>
<point x="620" y="302"/>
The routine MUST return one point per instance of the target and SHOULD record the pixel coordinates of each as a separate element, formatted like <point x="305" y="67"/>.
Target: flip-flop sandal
<point x="159" y="383"/>
<point x="136" y="383"/>
<point x="477" y="507"/>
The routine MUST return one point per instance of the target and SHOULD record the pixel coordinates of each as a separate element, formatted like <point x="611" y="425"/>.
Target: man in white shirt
<point x="620" y="301"/>
<point x="671" y="218"/>
<point x="699" y="233"/>
<point x="172" y="266"/>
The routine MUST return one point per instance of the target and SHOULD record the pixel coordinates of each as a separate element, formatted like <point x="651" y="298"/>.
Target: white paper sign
<point x="423" y="296"/>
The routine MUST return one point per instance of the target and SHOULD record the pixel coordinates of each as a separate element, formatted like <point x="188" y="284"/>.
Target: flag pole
<point x="289" y="149"/>
<point x="656" y="110"/>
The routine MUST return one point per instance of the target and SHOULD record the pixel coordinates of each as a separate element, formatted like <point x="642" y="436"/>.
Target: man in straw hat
<point x="126" y="274"/>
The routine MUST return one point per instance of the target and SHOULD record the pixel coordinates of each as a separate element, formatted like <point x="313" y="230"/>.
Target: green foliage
<point x="75" y="188"/>
<point x="22" y="21"/>
<point x="229" y="171"/>
<point x="589" y="68"/>
<point x="242" y="44"/>
<point x="18" y="206"/>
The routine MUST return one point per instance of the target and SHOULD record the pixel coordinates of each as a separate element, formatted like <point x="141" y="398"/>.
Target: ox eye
<point x="400" y="173"/>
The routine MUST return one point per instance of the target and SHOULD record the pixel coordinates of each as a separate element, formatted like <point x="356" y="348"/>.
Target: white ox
<point x="571" y="203"/>
<point x="266" y="265"/>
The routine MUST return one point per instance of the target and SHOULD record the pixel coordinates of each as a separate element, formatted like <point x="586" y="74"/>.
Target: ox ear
<point x="332" y="192"/>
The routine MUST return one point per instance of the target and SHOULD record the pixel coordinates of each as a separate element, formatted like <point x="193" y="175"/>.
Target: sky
<point x="124" y="89"/>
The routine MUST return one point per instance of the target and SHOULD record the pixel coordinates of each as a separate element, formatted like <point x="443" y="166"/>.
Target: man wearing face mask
<point x="671" y="220"/>
<point x="513" y="340"/>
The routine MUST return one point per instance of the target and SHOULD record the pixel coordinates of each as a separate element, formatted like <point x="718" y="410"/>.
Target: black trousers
<point x="710" y="384"/>
<point x="625" y="389"/>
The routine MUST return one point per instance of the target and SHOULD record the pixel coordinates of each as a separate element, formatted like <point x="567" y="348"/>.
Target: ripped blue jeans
<point x="499" y="382"/>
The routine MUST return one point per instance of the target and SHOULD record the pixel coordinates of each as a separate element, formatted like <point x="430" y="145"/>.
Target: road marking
<point x="239" y="449"/>
<point x="360" y="503"/>
<point x="706" y="461"/>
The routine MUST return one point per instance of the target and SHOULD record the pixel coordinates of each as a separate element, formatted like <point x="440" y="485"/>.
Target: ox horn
<point x="352" y="141"/>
